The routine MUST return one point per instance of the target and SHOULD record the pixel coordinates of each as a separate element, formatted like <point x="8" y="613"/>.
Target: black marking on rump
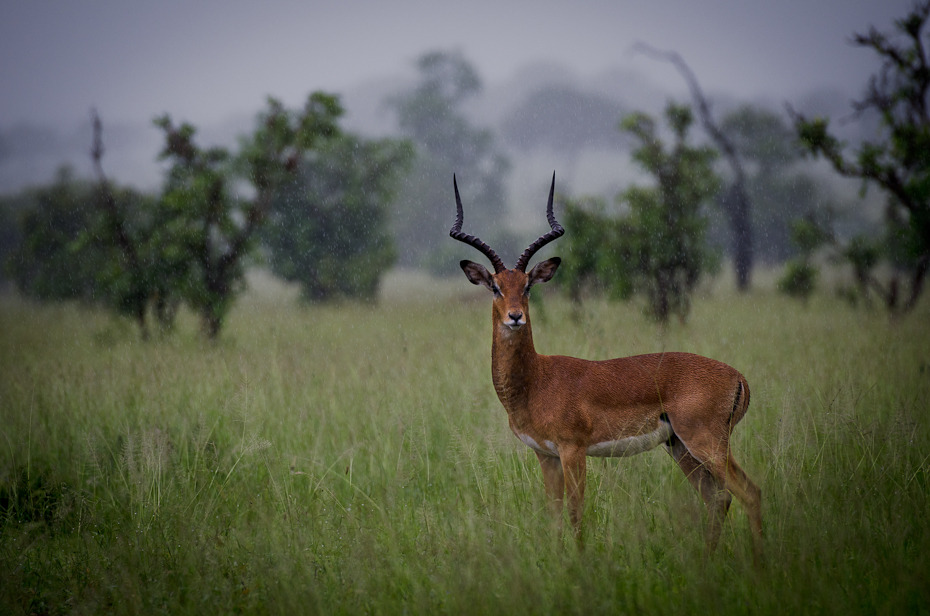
<point x="671" y="437"/>
<point x="739" y="395"/>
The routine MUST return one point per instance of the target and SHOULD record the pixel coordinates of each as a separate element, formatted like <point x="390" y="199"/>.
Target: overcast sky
<point x="202" y="61"/>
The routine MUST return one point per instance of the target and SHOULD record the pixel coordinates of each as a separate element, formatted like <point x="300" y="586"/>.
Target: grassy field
<point x="349" y="460"/>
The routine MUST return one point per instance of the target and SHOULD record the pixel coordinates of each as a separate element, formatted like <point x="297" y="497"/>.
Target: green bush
<point x="799" y="279"/>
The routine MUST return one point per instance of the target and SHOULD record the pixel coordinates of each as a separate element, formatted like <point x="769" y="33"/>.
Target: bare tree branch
<point x="737" y="200"/>
<point x="108" y="201"/>
<point x="116" y="219"/>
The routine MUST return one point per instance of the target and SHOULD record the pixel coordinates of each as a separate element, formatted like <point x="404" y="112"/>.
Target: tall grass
<point x="348" y="459"/>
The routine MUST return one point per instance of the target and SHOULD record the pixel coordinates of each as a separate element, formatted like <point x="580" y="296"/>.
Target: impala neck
<point x="513" y="361"/>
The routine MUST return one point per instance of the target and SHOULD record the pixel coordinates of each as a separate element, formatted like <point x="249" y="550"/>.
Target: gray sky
<point x="202" y="61"/>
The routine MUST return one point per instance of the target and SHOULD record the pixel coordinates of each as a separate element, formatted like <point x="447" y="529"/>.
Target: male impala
<point x="566" y="408"/>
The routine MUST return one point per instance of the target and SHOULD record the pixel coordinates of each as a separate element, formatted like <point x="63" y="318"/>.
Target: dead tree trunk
<point x="736" y="203"/>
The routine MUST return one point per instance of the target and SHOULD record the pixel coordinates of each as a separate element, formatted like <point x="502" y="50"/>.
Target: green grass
<point x="347" y="459"/>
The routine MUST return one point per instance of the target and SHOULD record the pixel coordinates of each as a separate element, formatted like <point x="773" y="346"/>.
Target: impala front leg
<point x="574" y="466"/>
<point x="554" y="480"/>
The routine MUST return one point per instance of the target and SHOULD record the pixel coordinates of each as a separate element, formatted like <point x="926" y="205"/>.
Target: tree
<point x="139" y="254"/>
<point x="147" y="265"/>
<point x="897" y="162"/>
<point x="779" y="185"/>
<point x="446" y="142"/>
<point x="668" y="217"/>
<point x="94" y="242"/>
<point x="217" y="229"/>
<point x="328" y="228"/>
<point x="48" y="264"/>
<point x="658" y="248"/>
<point x="800" y="276"/>
<point x="67" y="248"/>
<point x="10" y="235"/>
<point x="600" y="251"/>
<point x="736" y="202"/>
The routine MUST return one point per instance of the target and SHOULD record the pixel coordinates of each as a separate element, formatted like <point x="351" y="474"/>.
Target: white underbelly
<point x="547" y="447"/>
<point x="629" y="446"/>
<point x="632" y="445"/>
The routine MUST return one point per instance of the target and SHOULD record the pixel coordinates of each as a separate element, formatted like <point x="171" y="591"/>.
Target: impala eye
<point x="496" y="290"/>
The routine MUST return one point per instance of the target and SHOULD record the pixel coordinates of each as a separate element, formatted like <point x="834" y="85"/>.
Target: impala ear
<point x="544" y="271"/>
<point x="476" y="273"/>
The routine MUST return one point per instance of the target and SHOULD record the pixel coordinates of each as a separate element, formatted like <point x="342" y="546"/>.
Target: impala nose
<point x="516" y="317"/>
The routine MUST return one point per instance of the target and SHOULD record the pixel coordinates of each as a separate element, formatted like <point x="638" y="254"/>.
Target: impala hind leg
<point x="716" y="498"/>
<point x="554" y="480"/>
<point x="711" y="447"/>
<point x="750" y="497"/>
<point x="737" y="482"/>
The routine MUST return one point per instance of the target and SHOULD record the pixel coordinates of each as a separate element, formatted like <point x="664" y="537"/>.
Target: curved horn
<point x="556" y="233"/>
<point x="471" y="240"/>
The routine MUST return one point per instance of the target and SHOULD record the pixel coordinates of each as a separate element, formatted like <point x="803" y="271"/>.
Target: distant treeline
<point x="332" y="210"/>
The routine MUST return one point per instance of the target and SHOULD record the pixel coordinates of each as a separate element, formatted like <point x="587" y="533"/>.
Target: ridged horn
<point x="556" y="232"/>
<point x="471" y="240"/>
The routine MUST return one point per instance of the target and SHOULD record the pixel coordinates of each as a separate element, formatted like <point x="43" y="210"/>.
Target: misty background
<point x="555" y="79"/>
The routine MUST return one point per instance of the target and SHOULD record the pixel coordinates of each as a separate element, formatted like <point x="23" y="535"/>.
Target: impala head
<point x="511" y="287"/>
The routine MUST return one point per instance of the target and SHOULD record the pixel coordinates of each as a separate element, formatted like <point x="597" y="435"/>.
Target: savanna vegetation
<point x="325" y="192"/>
<point x="352" y="459"/>
<point x="348" y="454"/>
<point x="894" y="161"/>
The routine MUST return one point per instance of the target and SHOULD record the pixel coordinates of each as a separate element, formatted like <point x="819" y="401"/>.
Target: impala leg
<point x="574" y="466"/>
<point x="726" y="470"/>
<point x="750" y="496"/>
<point x="715" y="497"/>
<point x="554" y="480"/>
<point x="713" y="450"/>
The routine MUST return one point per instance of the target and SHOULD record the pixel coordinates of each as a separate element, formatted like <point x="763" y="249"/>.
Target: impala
<point x="566" y="409"/>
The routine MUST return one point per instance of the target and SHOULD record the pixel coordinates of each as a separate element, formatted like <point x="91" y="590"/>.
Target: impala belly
<point x="622" y="447"/>
<point x="547" y="448"/>
<point x="632" y="445"/>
